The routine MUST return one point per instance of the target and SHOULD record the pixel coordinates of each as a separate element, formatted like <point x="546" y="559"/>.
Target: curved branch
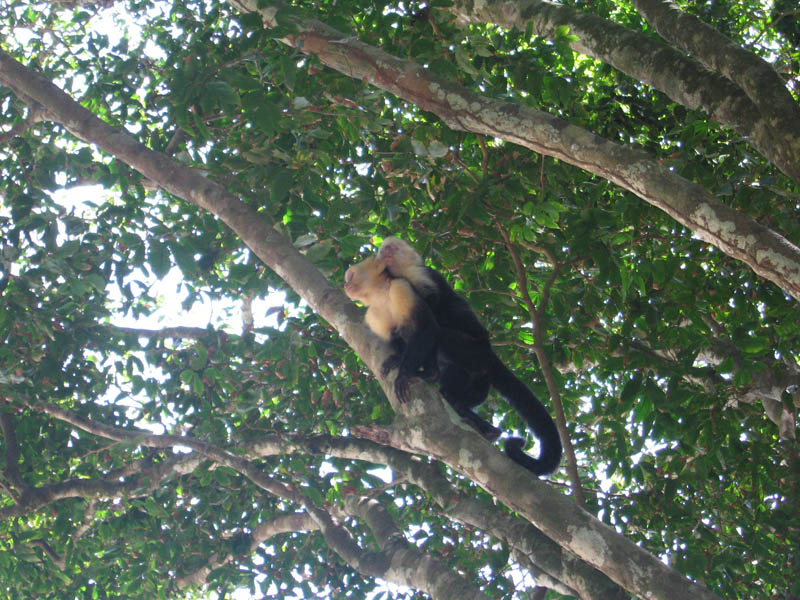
<point x="537" y="318"/>
<point x="150" y="440"/>
<point x="766" y="252"/>
<point x="427" y="423"/>
<point x="58" y="560"/>
<point x="757" y="78"/>
<point x="146" y="479"/>
<point x="653" y="62"/>
<point x="260" y="534"/>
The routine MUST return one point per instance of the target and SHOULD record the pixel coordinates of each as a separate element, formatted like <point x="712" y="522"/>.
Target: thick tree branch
<point x="417" y="569"/>
<point x="549" y="557"/>
<point x="568" y="525"/>
<point x="653" y="62"/>
<point x="426" y="424"/>
<point x="758" y="79"/>
<point x="765" y="251"/>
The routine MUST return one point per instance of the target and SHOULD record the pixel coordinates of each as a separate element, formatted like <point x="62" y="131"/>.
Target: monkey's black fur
<point x="468" y="367"/>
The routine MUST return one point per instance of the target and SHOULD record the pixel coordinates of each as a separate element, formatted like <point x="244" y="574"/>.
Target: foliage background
<point x="676" y="365"/>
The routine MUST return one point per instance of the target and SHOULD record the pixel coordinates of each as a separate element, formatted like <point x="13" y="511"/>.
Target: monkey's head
<point x="398" y="255"/>
<point x="365" y="280"/>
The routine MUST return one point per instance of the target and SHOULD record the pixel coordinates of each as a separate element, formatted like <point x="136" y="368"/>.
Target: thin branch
<point x="537" y="316"/>
<point x="86" y="523"/>
<point x="294" y="522"/>
<point x="105" y="487"/>
<point x="189" y="333"/>
<point x="58" y="560"/>
<point x="421" y="571"/>
<point x="11" y="446"/>
<point x="36" y="115"/>
<point x="148" y="439"/>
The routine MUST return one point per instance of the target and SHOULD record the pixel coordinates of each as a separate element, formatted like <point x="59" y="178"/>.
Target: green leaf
<point x="158" y="259"/>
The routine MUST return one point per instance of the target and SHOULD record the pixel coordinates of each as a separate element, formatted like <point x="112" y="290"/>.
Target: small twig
<point x="36" y="115"/>
<point x="537" y="317"/>
<point x="59" y="561"/>
<point x="11" y="470"/>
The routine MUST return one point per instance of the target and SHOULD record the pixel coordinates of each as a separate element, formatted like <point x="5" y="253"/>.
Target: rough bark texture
<point x="657" y="64"/>
<point x="765" y="251"/>
<point x="426" y="424"/>
<point x="754" y="76"/>
<point x="406" y="563"/>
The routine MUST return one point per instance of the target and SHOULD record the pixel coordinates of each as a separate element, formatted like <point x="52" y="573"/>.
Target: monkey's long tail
<point x="535" y="414"/>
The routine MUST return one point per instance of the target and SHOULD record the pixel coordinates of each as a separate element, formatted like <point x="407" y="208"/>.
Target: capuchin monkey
<point x="467" y="365"/>
<point x="398" y="315"/>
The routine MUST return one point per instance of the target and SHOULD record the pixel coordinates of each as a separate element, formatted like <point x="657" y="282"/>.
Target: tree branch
<point x="409" y="565"/>
<point x="537" y="318"/>
<point x="766" y="252"/>
<point x="58" y="560"/>
<point x="11" y="446"/>
<point x="189" y="333"/>
<point x="757" y="78"/>
<point x="260" y="534"/>
<point x="650" y="61"/>
<point x="36" y="115"/>
<point x="478" y="512"/>
<point x="426" y="422"/>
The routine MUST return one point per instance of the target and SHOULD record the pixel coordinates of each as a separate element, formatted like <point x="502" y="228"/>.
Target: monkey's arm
<point x="420" y="332"/>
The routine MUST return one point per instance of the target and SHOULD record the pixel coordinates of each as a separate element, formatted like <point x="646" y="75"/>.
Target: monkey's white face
<point x="364" y="280"/>
<point x="351" y="283"/>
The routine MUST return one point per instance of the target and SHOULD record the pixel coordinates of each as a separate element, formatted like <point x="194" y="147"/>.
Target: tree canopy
<point x="190" y="406"/>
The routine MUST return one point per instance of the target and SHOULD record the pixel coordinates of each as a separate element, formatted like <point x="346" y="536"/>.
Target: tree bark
<point x="768" y="253"/>
<point x="662" y="67"/>
<point x="425" y="420"/>
<point x="753" y="75"/>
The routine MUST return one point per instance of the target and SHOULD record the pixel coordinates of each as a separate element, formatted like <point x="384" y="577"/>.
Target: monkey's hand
<point x="401" y="381"/>
<point x="401" y="388"/>
<point x="393" y="362"/>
